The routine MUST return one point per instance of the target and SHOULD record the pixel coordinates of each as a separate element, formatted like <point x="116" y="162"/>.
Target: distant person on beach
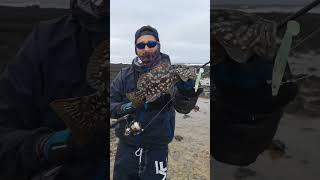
<point x="144" y="156"/>
<point x="245" y="114"/>
<point x="51" y="64"/>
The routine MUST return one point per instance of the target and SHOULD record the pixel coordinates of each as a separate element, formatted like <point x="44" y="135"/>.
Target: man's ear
<point x="159" y="46"/>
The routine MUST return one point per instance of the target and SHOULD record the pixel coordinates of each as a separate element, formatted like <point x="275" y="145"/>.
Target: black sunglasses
<point x="150" y="44"/>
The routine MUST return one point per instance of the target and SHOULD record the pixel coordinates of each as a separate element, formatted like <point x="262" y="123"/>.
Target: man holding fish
<point x="144" y="155"/>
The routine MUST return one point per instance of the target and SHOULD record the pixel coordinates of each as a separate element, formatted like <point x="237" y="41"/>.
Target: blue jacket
<point x="48" y="66"/>
<point x="160" y="133"/>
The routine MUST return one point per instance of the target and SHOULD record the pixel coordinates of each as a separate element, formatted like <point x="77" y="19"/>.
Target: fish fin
<point x="78" y="116"/>
<point x="136" y="97"/>
<point x="152" y="98"/>
<point x="98" y="66"/>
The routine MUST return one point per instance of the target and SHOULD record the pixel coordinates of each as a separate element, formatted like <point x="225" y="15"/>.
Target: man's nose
<point x="146" y="48"/>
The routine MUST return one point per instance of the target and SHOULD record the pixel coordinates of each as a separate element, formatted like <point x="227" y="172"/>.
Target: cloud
<point x="183" y="28"/>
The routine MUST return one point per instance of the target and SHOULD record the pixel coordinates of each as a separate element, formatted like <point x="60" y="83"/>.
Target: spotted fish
<point x="160" y="80"/>
<point x="83" y="114"/>
<point x="244" y="34"/>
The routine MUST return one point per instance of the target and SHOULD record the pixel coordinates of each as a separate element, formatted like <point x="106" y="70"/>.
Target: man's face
<point x="146" y="50"/>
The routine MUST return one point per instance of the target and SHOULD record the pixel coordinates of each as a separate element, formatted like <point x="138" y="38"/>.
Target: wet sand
<point x="301" y="135"/>
<point x="299" y="131"/>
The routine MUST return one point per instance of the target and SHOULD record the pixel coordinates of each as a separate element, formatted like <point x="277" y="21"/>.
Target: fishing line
<point x="155" y="116"/>
<point x="314" y="32"/>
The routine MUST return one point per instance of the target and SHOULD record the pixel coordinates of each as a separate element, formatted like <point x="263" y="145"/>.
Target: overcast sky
<point x="183" y="28"/>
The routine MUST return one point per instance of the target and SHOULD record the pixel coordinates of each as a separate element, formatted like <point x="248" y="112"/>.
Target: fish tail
<point x="136" y="97"/>
<point x="74" y="113"/>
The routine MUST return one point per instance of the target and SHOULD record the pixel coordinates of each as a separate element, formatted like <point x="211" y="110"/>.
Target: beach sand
<point x="301" y="135"/>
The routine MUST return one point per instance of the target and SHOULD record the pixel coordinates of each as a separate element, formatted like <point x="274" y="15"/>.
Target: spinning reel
<point x="134" y="128"/>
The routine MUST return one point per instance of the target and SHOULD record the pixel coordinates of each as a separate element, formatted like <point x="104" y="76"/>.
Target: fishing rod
<point x="302" y="11"/>
<point x="281" y="66"/>
<point x="205" y="64"/>
<point x="303" y="39"/>
<point x="123" y="118"/>
<point x="297" y="14"/>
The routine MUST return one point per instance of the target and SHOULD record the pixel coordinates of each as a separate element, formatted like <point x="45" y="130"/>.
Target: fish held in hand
<point x="160" y="79"/>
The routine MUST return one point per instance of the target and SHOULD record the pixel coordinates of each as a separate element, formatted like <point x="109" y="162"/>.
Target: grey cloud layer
<point x="183" y="28"/>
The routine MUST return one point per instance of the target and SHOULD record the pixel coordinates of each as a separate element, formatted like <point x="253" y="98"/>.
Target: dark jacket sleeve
<point x="117" y="96"/>
<point x="186" y="100"/>
<point x="19" y="114"/>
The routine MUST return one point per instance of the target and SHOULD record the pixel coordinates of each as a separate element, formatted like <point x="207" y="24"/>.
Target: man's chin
<point x="146" y="62"/>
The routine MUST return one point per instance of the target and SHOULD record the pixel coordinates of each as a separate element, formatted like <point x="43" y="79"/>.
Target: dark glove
<point x="127" y="108"/>
<point x="60" y="146"/>
<point x="55" y="147"/>
<point x="186" y="86"/>
<point x="185" y="100"/>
